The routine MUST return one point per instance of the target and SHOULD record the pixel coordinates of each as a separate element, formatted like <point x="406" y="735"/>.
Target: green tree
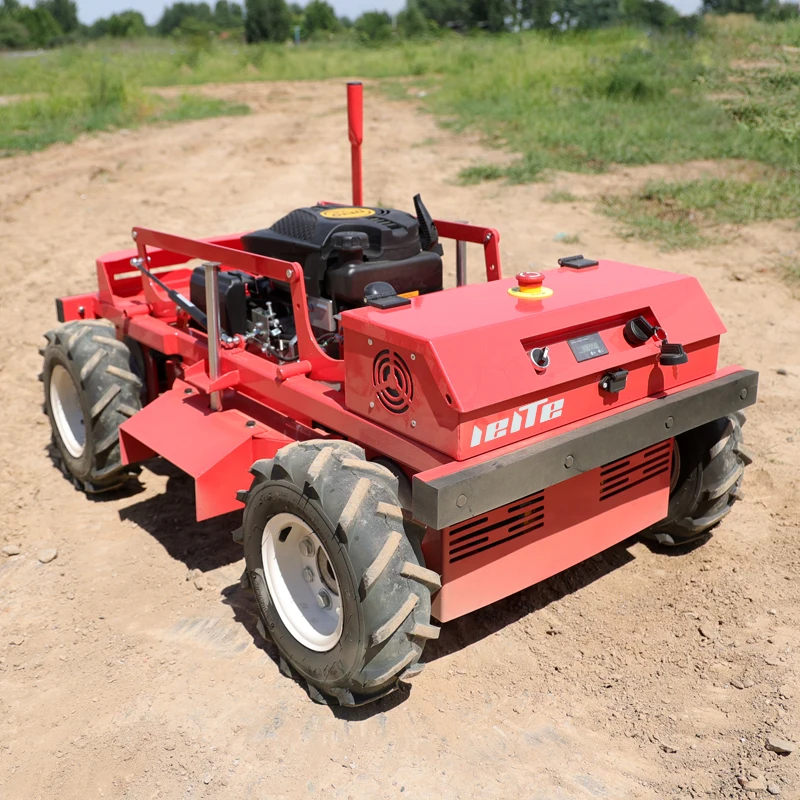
<point x="228" y="16"/>
<point x="319" y="16"/>
<point x="756" y="7"/>
<point x="127" y="25"/>
<point x="64" y="12"/>
<point x="374" y="27"/>
<point x="13" y="34"/>
<point x="490" y="14"/>
<point x="412" y="23"/>
<point x="40" y="24"/>
<point x="174" y="15"/>
<point x="267" y="21"/>
<point x="10" y="6"/>
<point x="446" y="13"/>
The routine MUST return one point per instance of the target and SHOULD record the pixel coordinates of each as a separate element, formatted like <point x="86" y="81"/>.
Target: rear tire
<point x="327" y="492"/>
<point x="89" y="391"/>
<point x="710" y="462"/>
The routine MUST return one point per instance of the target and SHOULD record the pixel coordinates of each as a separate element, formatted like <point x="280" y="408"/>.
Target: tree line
<point x="50" y="23"/>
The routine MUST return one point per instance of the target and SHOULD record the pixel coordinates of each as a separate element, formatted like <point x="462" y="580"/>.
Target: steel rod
<point x="212" y="311"/>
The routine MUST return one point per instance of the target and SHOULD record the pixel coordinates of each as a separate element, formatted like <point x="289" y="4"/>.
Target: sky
<point x="90" y="10"/>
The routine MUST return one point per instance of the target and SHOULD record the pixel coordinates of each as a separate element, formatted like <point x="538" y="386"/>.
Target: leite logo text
<point x="524" y="417"/>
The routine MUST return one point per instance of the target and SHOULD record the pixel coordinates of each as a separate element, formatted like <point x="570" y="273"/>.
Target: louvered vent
<point x="495" y="528"/>
<point x="392" y="381"/>
<point x="620" y="476"/>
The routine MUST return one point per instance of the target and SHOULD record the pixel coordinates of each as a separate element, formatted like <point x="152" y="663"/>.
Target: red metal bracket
<point x="475" y="234"/>
<point x="323" y="367"/>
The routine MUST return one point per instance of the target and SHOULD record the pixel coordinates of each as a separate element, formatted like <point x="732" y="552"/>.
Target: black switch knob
<point x="638" y="331"/>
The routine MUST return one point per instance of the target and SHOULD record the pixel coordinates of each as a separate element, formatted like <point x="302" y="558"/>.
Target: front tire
<point x="89" y="391"/>
<point x="709" y="466"/>
<point x="339" y="588"/>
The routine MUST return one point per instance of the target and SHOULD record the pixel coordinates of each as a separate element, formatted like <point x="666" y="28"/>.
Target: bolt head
<point x="308" y="574"/>
<point x="307" y="546"/>
<point x="289" y="273"/>
<point x="135" y="234"/>
<point x="371" y="404"/>
<point x="669" y="423"/>
<point x="413" y="357"/>
<point x="413" y="423"/>
<point x="569" y="461"/>
<point x="743" y="394"/>
<point x="323" y="599"/>
<point x="369" y="341"/>
<point x="461" y="501"/>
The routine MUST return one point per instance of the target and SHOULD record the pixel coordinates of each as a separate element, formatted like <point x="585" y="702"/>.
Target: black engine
<point x="342" y="250"/>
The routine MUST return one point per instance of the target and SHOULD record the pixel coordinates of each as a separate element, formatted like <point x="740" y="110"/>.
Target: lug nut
<point x="324" y="599"/>
<point x="307" y="546"/>
<point x="308" y="574"/>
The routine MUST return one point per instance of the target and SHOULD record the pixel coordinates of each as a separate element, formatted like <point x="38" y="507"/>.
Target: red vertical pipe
<point x="355" y="126"/>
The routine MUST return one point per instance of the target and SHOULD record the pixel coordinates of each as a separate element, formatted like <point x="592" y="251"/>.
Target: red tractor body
<point x="477" y="429"/>
<point x="528" y="423"/>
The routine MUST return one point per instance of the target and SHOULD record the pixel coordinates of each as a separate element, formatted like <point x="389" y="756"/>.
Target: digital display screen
<point x="587" y="347"/>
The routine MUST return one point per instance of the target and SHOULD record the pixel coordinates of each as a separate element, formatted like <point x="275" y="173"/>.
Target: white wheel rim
<point x="302" y="583"/>
<point x="65" y="405"/>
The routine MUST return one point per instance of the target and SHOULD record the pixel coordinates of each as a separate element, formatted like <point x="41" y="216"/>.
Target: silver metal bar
<point x="212" y="310"/>
<point x="461" y="260"/>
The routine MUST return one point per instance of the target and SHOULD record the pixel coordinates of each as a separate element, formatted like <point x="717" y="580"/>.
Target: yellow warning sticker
<point x="347" y="213"/>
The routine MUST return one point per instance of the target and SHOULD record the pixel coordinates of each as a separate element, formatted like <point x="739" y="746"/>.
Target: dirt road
<point x="121" y="678"/>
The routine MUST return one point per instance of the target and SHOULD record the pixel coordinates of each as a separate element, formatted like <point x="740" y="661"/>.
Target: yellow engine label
<point x="347" y="213"/>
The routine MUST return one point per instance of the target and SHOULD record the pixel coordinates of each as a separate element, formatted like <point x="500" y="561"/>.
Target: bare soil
<point x="121" y="678"/>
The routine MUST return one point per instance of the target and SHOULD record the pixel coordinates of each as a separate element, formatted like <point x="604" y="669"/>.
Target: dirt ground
<point x="119" y="677"/>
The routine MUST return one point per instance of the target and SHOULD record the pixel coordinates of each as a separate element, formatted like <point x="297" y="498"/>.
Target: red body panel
<point x="464" y="354"/>
<point x="511" y="548"/>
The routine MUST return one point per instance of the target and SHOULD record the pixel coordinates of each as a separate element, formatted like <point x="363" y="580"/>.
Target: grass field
<point x="577" y="102"/>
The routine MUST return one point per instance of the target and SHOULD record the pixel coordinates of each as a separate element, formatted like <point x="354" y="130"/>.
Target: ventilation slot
<point x="496" y="528"/>
<point x="620" y="476"/>
<point x="392" y="381"/>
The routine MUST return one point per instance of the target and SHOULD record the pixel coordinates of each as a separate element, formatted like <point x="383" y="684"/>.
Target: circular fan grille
<point x="392" y="380"/>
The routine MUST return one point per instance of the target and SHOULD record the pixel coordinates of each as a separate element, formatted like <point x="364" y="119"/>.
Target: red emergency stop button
<point x="530" y="286"/>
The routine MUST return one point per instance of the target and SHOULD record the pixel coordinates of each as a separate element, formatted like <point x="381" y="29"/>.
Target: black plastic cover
<point x="232" y="298"/>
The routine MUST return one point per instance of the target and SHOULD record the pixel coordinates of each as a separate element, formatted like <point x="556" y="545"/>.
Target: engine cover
<point x="392" y="253"/>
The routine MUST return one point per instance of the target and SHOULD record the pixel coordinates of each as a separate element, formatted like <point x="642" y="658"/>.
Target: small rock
<point x="707" y="631"/>
<point x="781" y="371"/>
<point x="169" y="745"/>
<point x="737" y="276"/>
<point x="779" y="746"/>
<point x="737" y="684"/>
<point x="668" y="748"/>
<point x="786" y="691"/>
<point x="755" y="785"/>
<point x="17" y="641"/>
<point x="11" y="550"/>
<point x="198" y="584"/>
<point x="207" y="779"/>
<point x="46" y="556"/>
<point x="773" y="788"/>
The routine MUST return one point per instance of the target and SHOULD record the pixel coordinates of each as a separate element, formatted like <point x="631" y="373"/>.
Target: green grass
<point x="102" y="101"/>
<point x="557" y="196"/>
<point x="686" y="214"/>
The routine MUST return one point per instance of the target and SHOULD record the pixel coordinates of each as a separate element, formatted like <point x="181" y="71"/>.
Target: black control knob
<point x="637" y="331"/>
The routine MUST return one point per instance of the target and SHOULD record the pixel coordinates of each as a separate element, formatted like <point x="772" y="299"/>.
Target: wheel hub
<point x="65" y="406"/>
<point x="302" y="583"/>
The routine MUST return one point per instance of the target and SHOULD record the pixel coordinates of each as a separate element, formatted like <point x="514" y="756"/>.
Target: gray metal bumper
<point x="447" y="500"/>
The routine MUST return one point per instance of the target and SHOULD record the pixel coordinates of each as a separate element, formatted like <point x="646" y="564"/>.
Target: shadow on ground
<point x="169" y="518"/>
